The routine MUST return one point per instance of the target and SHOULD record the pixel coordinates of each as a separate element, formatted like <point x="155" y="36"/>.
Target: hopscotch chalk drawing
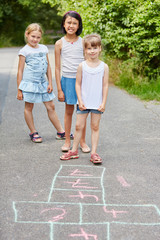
<point x="76" y="203"/>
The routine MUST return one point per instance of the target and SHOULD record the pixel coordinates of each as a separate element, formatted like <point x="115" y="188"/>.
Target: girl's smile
<point x="71" y="25"/>
<point x="92" y="51"/>
<point x="33" y="38"/>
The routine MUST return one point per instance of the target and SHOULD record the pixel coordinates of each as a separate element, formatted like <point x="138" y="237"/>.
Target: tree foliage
<point x="15" y="15"/>
<point x="130" y="29"/>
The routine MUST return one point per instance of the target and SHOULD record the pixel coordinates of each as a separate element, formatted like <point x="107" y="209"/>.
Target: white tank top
<point x="72" y="56"/>
<point x="92" y="85"/>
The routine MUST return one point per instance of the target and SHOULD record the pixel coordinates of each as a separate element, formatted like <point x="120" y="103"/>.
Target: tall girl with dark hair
<point x="69" y="49"/>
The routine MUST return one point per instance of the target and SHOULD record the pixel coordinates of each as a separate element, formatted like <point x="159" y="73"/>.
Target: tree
<point x="130" y="29"/>
<point x="16" y="15"/>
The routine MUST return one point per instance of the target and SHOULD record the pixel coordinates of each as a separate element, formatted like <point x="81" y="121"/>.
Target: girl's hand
<point x="19" y="95"/>
<point x="50" y="88"/>
<point x="61" y="96"/>
<point x="82" y="106"/>
<point x="101" y="108"/>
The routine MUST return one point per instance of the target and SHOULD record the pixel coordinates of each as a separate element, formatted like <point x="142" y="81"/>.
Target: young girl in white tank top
<point x="92" y="90"/>
<point x="69" y="49"/>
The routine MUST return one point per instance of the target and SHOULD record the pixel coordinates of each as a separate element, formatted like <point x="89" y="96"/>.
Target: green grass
<point x="145" y="91"/>
<point x="141" y="87"/>
<point x="121" y="74"/>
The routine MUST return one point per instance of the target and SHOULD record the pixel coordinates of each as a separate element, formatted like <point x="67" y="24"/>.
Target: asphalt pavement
<point x="44" y="198"/>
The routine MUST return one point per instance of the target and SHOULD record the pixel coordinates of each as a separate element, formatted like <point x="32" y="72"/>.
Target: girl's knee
<point x="95" y="127"/>
<point x="50" y="107"/>
<point x="79" y="127"/>
<point x="28" y="107"/>
<point x="69" y="109"/>
<point x="69" y="112"/>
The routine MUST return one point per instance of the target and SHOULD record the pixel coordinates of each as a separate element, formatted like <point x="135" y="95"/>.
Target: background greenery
<point x="130" y="31"/>
<point x="16" y="15"/>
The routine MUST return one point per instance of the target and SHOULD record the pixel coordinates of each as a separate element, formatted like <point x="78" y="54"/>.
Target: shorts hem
<point x="78" y="111"/>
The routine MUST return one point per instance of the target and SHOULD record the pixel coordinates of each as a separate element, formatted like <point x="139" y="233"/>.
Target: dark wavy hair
<point x="76" y="16"/>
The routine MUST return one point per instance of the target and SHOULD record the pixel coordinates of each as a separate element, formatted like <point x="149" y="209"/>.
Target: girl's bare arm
<point x="58" y="47"/>
<point x="105" y="88"/>
<point x="78" y="87"/>
<point x="21" y="65"/>
<point x="49" y="76"/>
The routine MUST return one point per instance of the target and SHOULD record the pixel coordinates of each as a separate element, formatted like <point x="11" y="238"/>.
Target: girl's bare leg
<point x="29" y="120"/>
<point x="95" y="120"/>
<point x="29" y="116"/>
<point x="67" y="124"/>
<point x="53" y="116"/>
<point x="80" y="125"/>
<point x="83" y="144"/>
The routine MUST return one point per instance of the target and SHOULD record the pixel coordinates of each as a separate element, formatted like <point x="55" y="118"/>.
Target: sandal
<point x="71" y="136"/>
<point x="61" y="136"/>
<point x="70" y="155"/>
<point x="35" y="139"/>
<point x="95" y="158"/>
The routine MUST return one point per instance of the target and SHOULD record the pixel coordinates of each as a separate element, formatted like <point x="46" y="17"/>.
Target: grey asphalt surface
<point x="43" y="198"/>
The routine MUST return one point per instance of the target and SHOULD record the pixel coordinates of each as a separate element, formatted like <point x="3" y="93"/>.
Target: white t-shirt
<point x="26" y="50"/>
<point x="92" y="85"/>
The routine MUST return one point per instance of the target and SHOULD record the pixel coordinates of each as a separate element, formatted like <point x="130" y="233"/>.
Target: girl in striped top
<point x="69" y="50"/>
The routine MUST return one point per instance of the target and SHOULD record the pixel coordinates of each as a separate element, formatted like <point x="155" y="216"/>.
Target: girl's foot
<point x="95" y="158"/>
<point x="85" y="148"/>
<point x="61" y="136"/>
<point x="65" y="148"/>
<point x="35" y="137"/>
<point x="70" y="155"/>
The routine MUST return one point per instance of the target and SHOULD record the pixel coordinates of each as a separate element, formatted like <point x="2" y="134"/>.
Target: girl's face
<point x="92" y="52"/>
<point x="33" y="38"/>
<point x="71" y="25"/>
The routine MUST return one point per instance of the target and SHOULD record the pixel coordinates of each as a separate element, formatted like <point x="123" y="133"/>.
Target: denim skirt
<point x="68" y="87"/>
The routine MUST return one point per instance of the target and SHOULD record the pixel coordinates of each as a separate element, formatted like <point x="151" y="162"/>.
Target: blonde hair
<point x="33" y="27"/>
<point x="94" y="39"/>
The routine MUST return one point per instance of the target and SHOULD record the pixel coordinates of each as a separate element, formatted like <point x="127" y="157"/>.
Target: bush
<point x="15" y="16"/>
<point x="128" y="28"/>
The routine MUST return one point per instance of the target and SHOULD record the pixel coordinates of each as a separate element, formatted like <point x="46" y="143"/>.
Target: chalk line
<point x="52" y="186"/>
<point x="102" y="186"/>
<point x="51" y="231"/>
<point x="15" y="211"/>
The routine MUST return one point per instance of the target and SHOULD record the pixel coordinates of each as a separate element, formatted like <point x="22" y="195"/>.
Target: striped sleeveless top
<point x="72" y="56"/>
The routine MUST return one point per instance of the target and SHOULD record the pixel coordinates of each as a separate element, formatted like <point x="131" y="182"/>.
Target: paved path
<point x="43" y="198"/>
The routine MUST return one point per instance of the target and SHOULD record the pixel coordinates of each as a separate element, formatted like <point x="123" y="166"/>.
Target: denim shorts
<point x="88" y="111"/>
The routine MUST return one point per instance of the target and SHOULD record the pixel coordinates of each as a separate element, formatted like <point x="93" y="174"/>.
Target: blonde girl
<point x="31" y="80"/>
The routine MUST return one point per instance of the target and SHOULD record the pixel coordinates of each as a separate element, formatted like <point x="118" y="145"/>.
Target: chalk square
<point x="36" y="212"/>
<point x="80" y="171"/>
<point x="120" y="214"/>
<point x="134" y="232"/>
<point x="81" y="231"/>
<point x="78" y="183"/>
<point x="69" y="196"/>
<point x="29" y="231"/>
